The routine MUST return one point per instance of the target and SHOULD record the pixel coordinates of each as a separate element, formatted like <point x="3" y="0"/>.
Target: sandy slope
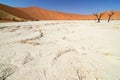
<point x="15" y="12"/>
<point x="36" y="13"/>
<point x="60" y="50"/>
<point x="6" y="16"/>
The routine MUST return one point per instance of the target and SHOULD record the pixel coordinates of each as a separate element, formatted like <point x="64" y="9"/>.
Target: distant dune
<point x="35" y="13"/>
<point x="42" y="14"/>
<point x="116" y="15"/>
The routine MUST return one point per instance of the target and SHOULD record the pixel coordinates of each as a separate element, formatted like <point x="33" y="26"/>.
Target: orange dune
<point x="42" y="14"/>
<point x="116" y="15"/>
<point x="35" y="13"/>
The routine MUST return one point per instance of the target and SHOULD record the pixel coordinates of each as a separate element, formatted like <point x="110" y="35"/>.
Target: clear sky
<point x="70" y="6"/>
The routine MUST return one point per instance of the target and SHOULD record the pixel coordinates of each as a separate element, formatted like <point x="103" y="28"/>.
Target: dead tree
<point x="110" y="15"/>
<point x="98" y="16"/>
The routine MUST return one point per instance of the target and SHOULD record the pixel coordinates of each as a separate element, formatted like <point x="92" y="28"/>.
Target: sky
<point x="69" y="6"/>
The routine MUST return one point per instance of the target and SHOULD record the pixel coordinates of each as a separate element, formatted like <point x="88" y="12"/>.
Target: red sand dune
<point x="43" y="14"/>
<point x="116" y="15"/>
<point x="35" y="13"/>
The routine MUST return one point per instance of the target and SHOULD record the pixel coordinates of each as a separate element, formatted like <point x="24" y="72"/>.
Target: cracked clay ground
<point x="60" y="50"/>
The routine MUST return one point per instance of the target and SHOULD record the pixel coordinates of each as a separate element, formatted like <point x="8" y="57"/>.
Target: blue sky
<point x="70" y="6"/>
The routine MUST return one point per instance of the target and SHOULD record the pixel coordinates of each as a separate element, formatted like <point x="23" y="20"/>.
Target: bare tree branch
<point x="110" y="15"/>
<point x="98" y="16"/>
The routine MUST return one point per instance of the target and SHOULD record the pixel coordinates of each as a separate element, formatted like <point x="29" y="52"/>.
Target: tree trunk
<point x="109" y="19"/>
<point x="98" y="20"/>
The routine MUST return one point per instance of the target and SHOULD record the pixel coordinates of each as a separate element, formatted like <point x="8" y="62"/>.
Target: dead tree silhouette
<point x="110" y="15"/>
<point x="98" y="16"/>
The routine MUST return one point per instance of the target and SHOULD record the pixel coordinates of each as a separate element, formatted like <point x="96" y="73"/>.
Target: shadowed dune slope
<point x="14" y="11"/>
<point x="6" y="16"/>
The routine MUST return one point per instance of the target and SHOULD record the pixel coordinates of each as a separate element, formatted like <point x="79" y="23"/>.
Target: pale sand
<point x="60" y="50"/>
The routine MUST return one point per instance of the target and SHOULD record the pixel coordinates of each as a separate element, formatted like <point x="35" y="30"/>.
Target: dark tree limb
<point x="98" y="16"/>
<point x="110" y="15"/>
